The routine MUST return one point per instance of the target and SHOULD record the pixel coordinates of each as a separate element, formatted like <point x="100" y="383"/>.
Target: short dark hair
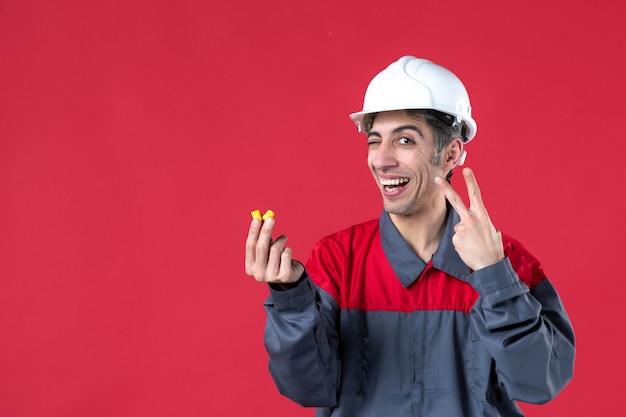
<point x="443" y="126"/>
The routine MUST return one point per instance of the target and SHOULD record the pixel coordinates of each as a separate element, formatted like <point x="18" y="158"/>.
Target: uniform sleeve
<point x="302" y="341"/>
<point x="522" y="322"/>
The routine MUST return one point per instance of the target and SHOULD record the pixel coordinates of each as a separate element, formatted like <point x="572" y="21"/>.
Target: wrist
<point x="284" y="286"/>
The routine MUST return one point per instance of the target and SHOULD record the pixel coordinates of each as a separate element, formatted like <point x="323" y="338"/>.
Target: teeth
<point x="395" y="181"/>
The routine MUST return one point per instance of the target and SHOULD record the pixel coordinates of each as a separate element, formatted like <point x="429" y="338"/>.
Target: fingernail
<point x="256" y="223"/>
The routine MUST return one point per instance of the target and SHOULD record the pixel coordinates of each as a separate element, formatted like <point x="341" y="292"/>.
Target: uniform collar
<point x="407" y="265"/>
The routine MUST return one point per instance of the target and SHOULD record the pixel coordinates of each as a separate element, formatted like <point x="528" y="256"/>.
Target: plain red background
<point x="136" y="136"/>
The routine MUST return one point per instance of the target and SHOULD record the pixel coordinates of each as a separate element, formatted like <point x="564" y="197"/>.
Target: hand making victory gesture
<point x="476" y="240"/>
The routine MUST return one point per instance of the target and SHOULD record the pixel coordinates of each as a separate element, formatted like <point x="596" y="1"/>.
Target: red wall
<point x="136" y="136"/>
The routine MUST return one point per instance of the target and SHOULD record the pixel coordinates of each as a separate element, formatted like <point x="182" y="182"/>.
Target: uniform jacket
<point x="372" y="330"/>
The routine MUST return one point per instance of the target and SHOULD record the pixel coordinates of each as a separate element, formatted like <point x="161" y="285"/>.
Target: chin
<point x="397" y="210"/>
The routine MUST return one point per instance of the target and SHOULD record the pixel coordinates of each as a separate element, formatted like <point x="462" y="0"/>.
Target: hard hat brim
<point x="358" y="117"/>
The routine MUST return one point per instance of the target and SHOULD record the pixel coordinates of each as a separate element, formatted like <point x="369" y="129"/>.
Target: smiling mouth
<point x="392" y="185"/>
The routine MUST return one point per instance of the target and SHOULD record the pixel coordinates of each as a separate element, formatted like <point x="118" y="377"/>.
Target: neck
<point x="423" y="230"/>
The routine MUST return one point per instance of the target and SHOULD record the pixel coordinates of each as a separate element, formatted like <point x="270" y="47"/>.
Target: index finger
<point x="251" y="240"/>
<point x="453" y="197"/>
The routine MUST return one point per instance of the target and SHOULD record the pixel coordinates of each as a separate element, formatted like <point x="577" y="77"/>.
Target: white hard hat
<point x="415" y="83"/>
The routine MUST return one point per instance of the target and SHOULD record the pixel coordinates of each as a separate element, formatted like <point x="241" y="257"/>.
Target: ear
<point x="452" y="153"/>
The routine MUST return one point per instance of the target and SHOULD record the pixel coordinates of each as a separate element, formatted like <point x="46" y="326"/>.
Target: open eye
<point x="406" y="141"/>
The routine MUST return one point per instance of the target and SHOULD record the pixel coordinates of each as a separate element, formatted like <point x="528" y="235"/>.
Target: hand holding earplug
<point x="268" y="260"/>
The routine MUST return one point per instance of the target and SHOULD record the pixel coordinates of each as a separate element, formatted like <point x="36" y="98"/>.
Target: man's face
<point x="400" y="155"/>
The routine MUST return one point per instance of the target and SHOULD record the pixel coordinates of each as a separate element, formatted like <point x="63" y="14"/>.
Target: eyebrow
<point x="400" y="129"/>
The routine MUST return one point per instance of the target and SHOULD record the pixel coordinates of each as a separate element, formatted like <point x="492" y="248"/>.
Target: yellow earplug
<point x="256" y="214"/>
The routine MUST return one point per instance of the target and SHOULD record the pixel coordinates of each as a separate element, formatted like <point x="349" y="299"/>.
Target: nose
<point x="383" y="156"/>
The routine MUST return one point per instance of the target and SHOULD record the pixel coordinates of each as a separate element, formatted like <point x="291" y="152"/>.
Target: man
<point x="429" y="310"/>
